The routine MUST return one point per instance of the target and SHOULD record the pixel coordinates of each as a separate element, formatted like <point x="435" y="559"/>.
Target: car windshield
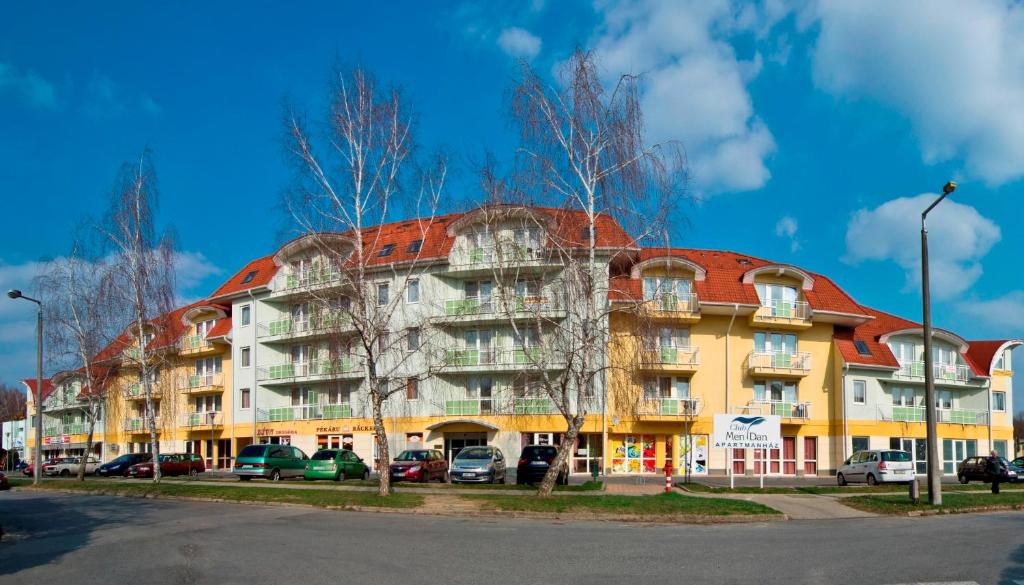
<point x="163" y="458"/>
<point x="412" y="456"/>
<point x="122" y="459"/>
<point x="899" y="456"/>
<point x="253" y="451"/>
<point x="474" y="453"/>
<point x="323" y="455"/>
<point x="538" y="453"/>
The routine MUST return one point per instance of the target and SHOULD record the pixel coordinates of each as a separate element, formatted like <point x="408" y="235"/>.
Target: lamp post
<point x="37" y="470"/>
<point x="934" y="466"/>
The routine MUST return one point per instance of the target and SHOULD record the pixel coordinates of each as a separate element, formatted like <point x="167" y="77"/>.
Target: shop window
<point x="860" y="444"/>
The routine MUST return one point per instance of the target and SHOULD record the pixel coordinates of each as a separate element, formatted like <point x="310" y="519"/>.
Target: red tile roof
<point x="221" y="328"/>
<point x="983" y="352"/>
<point x="264" y="271"/>
<point x="870" y="333"/>
<point x="48" y="387"/>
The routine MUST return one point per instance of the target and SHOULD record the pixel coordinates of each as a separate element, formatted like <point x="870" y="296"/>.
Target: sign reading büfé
<point x="754" y="431"/>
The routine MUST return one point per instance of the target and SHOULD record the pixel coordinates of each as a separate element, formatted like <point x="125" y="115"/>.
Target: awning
<point x="462" y="421"/>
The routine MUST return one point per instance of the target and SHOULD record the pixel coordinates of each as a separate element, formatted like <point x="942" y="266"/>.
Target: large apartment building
<point x="271" y="357"/>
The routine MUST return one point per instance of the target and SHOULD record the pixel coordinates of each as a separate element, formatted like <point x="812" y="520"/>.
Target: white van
<point x="876" y="466"/>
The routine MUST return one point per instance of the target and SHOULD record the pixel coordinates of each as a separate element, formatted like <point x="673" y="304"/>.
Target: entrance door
<point x="453" y="443"/>
<point x="954" y="451"/>
<point x="773" y="466"/>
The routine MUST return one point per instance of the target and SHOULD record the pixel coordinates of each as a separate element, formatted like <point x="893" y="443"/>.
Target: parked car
<point x="68" y="466"/>
<point x="170" y="464"/>
<point x="30" y="468"/>
<point x="121" y="464"/>
<point x="420" y="465"/>
<point x="977" y="469"/>
<point x="4" y="484"/>
<point x="876" y="466"/>
<point x="534" y="462"/>
<point x="336" y="464"/>
<point x="478" y="465"/>
<point x="21" y="465"/>
<point x="272" y="462"/>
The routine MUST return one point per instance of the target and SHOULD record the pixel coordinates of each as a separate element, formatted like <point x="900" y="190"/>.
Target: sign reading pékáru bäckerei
<point x="747" y="431"/>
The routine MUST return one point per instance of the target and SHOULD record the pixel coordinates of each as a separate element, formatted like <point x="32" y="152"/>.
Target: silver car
<point x="68" y="466"/>
<point x="876" y="466"/>
<point x="478" y="465"/>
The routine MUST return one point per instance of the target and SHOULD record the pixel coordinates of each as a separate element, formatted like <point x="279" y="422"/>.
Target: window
<point x="944" y="400"/>
<point x="860" y="392"/>
<point x="1003" y="361"/>
<point x="999" y="447"/>
<point x="246" y="316"/>
<point x="862" y="348"/>
<point x="783" y="343"/>
<point x="245" y="357"/>
<point x="904" y="351"/>
<point x="412" y="337"/>
<point x="303" y="396"/>
<point x="774" y="391"/>
<point x="778" y="296"/>
<point x="387" y="250"/>
<point x="999" y="401"/>
<point x="906" y="397"/>
<point x="414" y="246"/>
<point x="412" y="389"/>
<point x="245" y="398"/>
<point x="383" y="340"/>
<point x="339" y="395"/>
<point x="382" y="294"/>
<point x="249" y="276"/>
<point x="412" y="291"/>
<point x="660" y="287"/>
<point x="860" y="444"/>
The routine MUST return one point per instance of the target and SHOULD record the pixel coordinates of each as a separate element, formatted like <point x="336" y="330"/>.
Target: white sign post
<point x="747" y="431"/>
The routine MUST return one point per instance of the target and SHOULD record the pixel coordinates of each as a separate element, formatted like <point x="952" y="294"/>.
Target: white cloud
<point x="1003" y="315"/>
<point x="191" y="269"/>
<point x="29" y="86"/>
<point x="694" y="84"/>
<point x="518" y="42"/>
<point x="954" y="69"/>
<point x="959" y="238"/>
<point x="786" y="228"/>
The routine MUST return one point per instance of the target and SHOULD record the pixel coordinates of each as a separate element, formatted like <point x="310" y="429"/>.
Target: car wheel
<point x="963" y="479"/>
<point x="445" y="478"/>
<point x="502" y="482"/>
<point x="340" y="476"/>
<point x="841" y="479"/>
<point x="366" y="474"/>
<point x="871" y="479"/>
<point x="193" y="473"/>
<point x="65" y="473"/>
<point x="244" y="478"/>
<point x="275" y="475"/>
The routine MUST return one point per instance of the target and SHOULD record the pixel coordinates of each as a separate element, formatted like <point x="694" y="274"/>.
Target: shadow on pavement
<point x="1014" y="571"/>
<point x="42" y="527"/>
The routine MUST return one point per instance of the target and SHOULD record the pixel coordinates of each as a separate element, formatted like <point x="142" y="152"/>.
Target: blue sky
<point x="812" y="128"/>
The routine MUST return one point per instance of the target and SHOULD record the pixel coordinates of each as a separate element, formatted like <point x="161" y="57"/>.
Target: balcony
<point x="291" y="372"/>
<point x="533" y="405"/>
<point x="469" y="407"/>
<point x="783" y="315"/>
<point x="495" y="309"/>
<point x="202" y="384"/>
<point x="297" y="284"/>
<point x="674" y="307"/>
<point x="132" y="354"/>
<point x="196" y="345"/>
<point x="139" y="424"/>
<point x="670" y="359"/>
<point x="293" y="329"/>
<point x="916" y="414"/>
<point x="206" y="420"/>
<point x="495" y="360"/>
<point x="943" y="373"/>
<point x="483" y="260"/>
<point x="134" y="392"/>
<point x="305" y="412"/>
<point x="782" y="408"/>
<point x="675" y="407"/>
<point x="79" y="428"/>
<point x="780" y="364"/>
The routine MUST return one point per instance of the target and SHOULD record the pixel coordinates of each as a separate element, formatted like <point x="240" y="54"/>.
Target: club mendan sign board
<point x="754" y="431"/>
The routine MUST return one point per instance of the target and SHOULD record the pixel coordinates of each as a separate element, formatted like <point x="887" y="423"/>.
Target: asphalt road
<point x="66" y="538"/>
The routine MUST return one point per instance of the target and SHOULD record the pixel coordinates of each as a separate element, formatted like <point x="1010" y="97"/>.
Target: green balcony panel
<point x="337" y="411"/>
<point x="462" y="407"/>
<point x="669" y="355"/>
<point x="782" y="360"/>
<point x="280" y="327"/>
<point x="476" y="255"/>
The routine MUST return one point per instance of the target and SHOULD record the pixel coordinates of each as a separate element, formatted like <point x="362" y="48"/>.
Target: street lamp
<point x="37" y="470"/>
<point x="934" y="475"/>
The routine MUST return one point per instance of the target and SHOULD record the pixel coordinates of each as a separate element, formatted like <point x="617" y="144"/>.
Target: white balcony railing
<point x="783" y="408"/>
<point x="784" y="310"/>
<point x="314" y="278"/>
<point x="684" y="407"/>
<point x="779" y="361"/>
<point x="196" y="382"/>
<point x="313" y="368"/>
<point x="674" y="303"/>
<point x="305" y="412"/>
<point x="686" y="356"/>
<point x="291" y="328"/>
<point x="503" y="254"/>
<point x="548" y="300"/>
<point x="470" y="357"/>
<point x="202" y="419"/>
<point x="194" y="344"/>
<point x="139" y="424"/>
<point x="956" y="416"/>
<point x="949" y="373"/>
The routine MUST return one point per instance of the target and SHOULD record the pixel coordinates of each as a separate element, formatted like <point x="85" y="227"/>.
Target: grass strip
<point x="235" y="493"/>
<point x="590" y="486"/>
<point x="952" y="503"/>
<point x="659" y="505"/>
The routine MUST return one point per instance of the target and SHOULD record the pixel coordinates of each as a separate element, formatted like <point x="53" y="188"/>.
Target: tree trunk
<point x="88" y="450"/>
<point x="547" y="485"/>
<point x="384" y="456"/>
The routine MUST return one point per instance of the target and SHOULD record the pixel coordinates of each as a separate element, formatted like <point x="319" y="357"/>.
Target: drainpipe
<point x="991" y="445"/>
<point x="255" y="388"/>
<point x="846" y="368"/>
<point x="728" y="334"/>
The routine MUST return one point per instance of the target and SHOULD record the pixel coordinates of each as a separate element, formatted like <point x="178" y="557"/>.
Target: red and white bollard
<point x="668" y="476"/>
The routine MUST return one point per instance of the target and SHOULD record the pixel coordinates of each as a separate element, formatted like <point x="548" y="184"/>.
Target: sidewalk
<point x="795" y="506"/>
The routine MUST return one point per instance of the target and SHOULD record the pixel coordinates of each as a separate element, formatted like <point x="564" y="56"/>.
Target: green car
<point x="270" y="461"/>
<point x="336" y="464"/>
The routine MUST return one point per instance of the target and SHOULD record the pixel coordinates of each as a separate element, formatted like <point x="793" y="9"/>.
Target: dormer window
<point x="659" y="287"/>
<point x="386" y="250"/>
<point x="249" y="276"/>
<point x="415" y="246"/>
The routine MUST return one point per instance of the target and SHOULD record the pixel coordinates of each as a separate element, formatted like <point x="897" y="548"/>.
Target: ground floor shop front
<point x="956" y="442"/>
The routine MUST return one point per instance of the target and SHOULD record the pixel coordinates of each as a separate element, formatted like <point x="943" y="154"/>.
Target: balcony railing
<point x="505" y="253"/>
<point x="139" y="424"/>
<point x="80" y="428"/>
<point x="324" y="368"/>
<point x="194" y="344"/>
<point x="134" y="391"/>
<point x="501" y="306"/>
<point x="305" y="412"/>
<point x="778" y="309"/>
<point x="291" y="328"/>
<point x="956" y="416"/>
<point x="310" y="279"/>
<point x="671" y="356"/>
<point x="132" y="353"/>
<point x="674" y="303"/>
<point x="523" y="405"/>
<point x="949" y="373"/>
<point x="469" y="407"/>
<point x="202" y="419"/>
<point x="779" y="361"/>
<point x="670" y="406"/>
<point x="198" y="382"/>
<point x="466" y="357"/>
<point x="783" y="408"/>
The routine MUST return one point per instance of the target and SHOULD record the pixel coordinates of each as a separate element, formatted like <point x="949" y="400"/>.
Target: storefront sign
<point x="57" y="440"/>
<point x="736" y="431"/>
<point x="275" y="432"/>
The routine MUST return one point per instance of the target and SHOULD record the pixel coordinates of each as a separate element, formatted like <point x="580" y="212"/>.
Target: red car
<point x="4" y="484"/>
<point x="171" y="464"/>
<point x="28" y="468"/>
<point x="420" y="465"/>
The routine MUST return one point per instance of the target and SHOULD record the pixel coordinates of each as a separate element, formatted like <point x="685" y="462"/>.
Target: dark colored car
<point x="420" y="465"/>
<point x="120" y="465"/>
<point x="478" y="465"/>
<point x="4" y="484"/>
<point x="979" y="469"/>
<point x="170" y="464"/>
<point x="534" y="462"/>
<point x="336" y="464"/>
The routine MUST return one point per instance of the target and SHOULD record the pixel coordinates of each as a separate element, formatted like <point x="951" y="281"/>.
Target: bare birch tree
<point x="80" y="322"/>
<point x="340" y="195"/>
<point x="582" y="154"/>
<point x="142" y="281"/>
